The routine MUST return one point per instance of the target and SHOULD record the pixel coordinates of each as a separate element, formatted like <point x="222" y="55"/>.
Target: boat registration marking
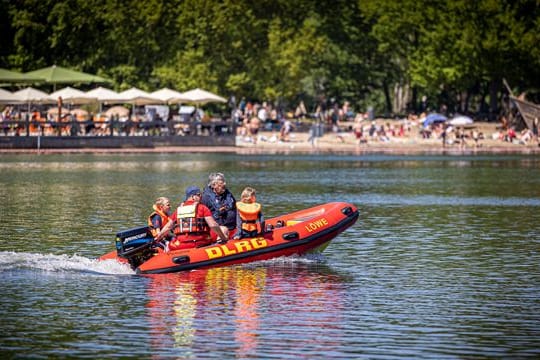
<point x="317" y="224"/>
<point x="236" y="248"/>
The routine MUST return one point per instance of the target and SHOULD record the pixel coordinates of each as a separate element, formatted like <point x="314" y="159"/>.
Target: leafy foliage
<point x="456" y="52"/>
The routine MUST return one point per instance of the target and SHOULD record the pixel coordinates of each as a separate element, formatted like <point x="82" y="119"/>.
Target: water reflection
<point x="443" y="263"/>
<point x="239" y="305"/>
<point x="251" y="284"/>
<point x="171" y="311"/>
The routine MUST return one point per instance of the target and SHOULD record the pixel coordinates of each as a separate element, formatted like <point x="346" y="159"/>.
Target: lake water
<point x="444" y="261"/>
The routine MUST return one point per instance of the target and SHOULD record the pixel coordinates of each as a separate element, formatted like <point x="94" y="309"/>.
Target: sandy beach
<point x="341" y="143"/>
<point x="345" y="142"/>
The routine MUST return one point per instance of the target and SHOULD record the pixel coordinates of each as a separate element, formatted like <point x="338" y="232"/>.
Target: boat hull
<point x="296" y="233"/>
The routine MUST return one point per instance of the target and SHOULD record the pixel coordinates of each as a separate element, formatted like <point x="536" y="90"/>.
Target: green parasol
<point x="61" y="75"/>
<point x="14" y="77"/>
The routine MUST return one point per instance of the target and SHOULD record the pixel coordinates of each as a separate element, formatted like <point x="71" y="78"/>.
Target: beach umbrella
<point x="14" y="77"/>
<point x="61" y="75"/>
<point x="104" y="95"/>
<point x="72" y="96"/>
<point x="461" y="121"/>
<point x="7" y="97"/>
<point x="54" y="111"/>
<point x="434" y="118"/>
<point x="199" y="97"/>
<point x="138" y="97"/>
<point x="121" y="111"/>
<point x="30" y="95"/>
<point x="78" y="113"/>
<point x="169" y="96"/>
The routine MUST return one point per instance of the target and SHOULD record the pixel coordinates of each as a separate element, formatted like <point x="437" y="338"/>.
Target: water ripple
<point x="443" y="263"/>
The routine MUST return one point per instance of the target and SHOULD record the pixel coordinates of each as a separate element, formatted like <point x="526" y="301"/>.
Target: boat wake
<point x="10" y="260"/>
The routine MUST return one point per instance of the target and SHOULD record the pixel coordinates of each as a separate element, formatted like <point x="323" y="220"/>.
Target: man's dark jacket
<point x="223" y="207"/>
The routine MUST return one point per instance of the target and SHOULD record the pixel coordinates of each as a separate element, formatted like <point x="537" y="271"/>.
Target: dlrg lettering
<point x="239" y="247"/>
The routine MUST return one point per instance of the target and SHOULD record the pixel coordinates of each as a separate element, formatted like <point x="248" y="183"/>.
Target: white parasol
<point x="72" y="96"/>
<point x="117" y="110"/>
<point x="30" y="95"/>
<point x="169" y="96"/>
<point x="104" y="95"/>
<point x="199" y="97"/>
<point x="461" y="121"/>
<point x="7" y="97"/>
<point x="138" y="97"/>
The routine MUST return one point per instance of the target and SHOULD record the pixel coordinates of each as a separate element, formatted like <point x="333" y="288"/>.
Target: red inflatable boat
<point x="297" y="233"/>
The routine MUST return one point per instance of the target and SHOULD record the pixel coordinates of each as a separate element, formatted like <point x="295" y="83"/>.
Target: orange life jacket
<point x="164" y="220"/>
<point x="249" y="214"/>
<point x="188" y="222"/>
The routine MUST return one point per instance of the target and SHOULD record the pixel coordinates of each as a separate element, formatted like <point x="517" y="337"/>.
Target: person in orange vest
<point x="249" y="219"/>
<point x="160" y="217"/>
<point x="191" y="224"/>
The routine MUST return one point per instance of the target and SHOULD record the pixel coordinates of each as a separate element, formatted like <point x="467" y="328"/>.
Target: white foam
<point x="60" y="263"/>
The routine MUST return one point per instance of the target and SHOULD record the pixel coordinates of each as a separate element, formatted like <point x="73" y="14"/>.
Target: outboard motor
<point x="135" y="245"/>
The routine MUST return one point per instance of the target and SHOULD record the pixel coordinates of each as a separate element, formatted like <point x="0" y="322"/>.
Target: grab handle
<point x="290" y="236"/>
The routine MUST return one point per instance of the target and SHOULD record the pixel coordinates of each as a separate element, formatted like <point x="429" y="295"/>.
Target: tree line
<point x="395" y="56"/>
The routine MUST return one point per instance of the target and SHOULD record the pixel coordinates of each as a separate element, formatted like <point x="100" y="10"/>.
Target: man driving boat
<point x="221" y="203"/>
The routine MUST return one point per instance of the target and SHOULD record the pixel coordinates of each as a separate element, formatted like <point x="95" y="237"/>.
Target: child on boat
<point x="160" y="217"/>
<point x="249" y="219"/>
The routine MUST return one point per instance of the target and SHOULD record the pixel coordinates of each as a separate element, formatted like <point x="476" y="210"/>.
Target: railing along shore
<point x="114" y="134"/>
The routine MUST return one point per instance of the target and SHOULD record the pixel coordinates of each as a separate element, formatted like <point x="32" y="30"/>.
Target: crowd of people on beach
<point x="255" y="117"/>
<point x="342" y="122"/>
<point x="262" y="122"/>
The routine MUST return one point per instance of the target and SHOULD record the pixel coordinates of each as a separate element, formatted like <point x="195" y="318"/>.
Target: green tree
<point x="385" y="53"/>
<point x="451" y="48"/>
<point x="216" y="43"/>
<point x="473" y="46"/>
<point x="396" y="27"/>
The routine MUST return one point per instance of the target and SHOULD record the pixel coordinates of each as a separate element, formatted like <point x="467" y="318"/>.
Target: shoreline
<point x="330" y="143"/>
<point x="291" y="148"/>
<point x="346" y="143"/>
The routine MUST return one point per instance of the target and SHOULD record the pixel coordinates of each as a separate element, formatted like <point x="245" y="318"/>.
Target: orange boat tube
<point x="296" y="233"/>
